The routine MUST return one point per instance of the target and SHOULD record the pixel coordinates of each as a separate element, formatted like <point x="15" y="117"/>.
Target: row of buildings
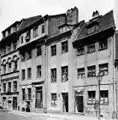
<point x="50" y="63"/>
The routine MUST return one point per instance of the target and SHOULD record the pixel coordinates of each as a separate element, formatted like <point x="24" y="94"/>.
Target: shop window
<point x="91" y="48"/>
<point x="80" y="51"/>
<point x="91" y="97"/>
<point x="53" y="75"/>
<point x="103" y="44"/>
<point x="91" y="71"/>
<point x="104" y="97"/>
<point x="53" y="50"/>
<point x="103" y="68"/>
<point x="64" y="46"/>
<point x="64" y="73"/>
<point x="81" y="73"/>
<point x="53" y="99"/>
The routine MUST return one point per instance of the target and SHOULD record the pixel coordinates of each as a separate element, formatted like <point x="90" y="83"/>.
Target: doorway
<point x="79" y="103"/>
<point x="65" y="102"/>
<point x="14" y="103"/>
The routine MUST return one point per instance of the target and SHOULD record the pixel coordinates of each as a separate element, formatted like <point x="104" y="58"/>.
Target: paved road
<point x="11" y="116"/>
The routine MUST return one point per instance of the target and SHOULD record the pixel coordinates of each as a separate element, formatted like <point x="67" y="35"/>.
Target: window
<point x="64" y="46"/>
<point x="15" y="66"/>
<point x="23" y="57"/>
<point x="23" y="74"/>
<point x="91" y="97"/>
<point x="15" y="86"/>
<point x="91" y="71"/>
<point x="9" y="67"/>
<point x="53" y="99"/>
<point x="103" y="44"/>
<point x="43" y="28"/>
<point x="9" y="87"/>
<point x="91" y="48"/>
<point x="35" y="32"/>
<point x="39" y="98"/>
<point x="38" y="71"/>
<point x="29" y="93"/>
<point x="23" y="94"/>
<point x="103" y="68"/>
<point x="29" y="74"/>
<point x="8" y="48"/>
<point x="4" y="87"/>
<point x="80" y="51"/>
<point x="64" y="73"/>
<point x="27" y="37"/>
<point x="104" y="97"/>
<point x="21" y="39"/>
<point x="53" y="75"/>
<point x="39" y="51"/>
<point x="53" y="50"/>
<point x="28" y="54"/>
<point x="80" y="73"/>
<point x="93" y="29"/>
<point x="4" y="69"/>
<point x="14" y="45"/>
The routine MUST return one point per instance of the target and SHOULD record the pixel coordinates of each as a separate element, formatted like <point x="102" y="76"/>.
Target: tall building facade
<point x="10" y="66"/>
<point x="50" y="64"/>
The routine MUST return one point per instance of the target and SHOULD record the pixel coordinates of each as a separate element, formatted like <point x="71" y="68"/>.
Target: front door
<point x="65" y="102"/>
<point x="79" y="103"/>
<point x="14" y="103"/>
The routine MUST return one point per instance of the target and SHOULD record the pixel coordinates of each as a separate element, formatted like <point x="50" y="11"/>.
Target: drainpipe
<point x="46" y="78"/>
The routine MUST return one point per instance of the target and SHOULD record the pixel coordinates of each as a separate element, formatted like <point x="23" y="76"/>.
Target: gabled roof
<point x="104" y="22"/>
<point x="27" y="22"/>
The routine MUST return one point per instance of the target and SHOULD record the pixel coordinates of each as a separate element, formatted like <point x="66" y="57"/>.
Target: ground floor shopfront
<point x="32" y="97"/>
<point x="10" y="101"/>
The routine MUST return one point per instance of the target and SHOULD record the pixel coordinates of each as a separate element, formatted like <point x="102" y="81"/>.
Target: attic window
<point x="92" y="29"/>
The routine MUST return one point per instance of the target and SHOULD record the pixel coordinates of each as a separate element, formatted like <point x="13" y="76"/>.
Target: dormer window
<point x="43" y="28"/>
<point x="27" y="37"/>
<point x="93" y="29"/>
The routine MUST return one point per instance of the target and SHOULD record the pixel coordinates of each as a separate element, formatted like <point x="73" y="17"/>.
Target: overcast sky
<point x="13" y="10"/>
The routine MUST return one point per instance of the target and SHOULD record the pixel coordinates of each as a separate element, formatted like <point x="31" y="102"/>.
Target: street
<point x="18" y="115"/>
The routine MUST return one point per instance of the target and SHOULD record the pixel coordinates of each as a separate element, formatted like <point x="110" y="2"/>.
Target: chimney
<point x="72" y="15"/>
<point x="95" y="14"/>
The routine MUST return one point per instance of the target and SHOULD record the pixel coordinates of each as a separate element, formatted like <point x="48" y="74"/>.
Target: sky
<point x="13" y="10"/>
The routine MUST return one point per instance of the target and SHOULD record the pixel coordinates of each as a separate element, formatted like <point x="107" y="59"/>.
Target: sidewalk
<point x="57" y="116"/>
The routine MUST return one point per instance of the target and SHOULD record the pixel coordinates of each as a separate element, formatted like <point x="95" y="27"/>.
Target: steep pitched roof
<point x="104" y="22"/>
<point x="27" y="22"/>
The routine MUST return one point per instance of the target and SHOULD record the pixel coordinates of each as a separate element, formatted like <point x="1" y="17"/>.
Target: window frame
<point x="39" y="71"/>
<point x="102" y="42"/>
<point x="53" y="50"/>
<point x="64" y="46"/>
<point x="80" y="73"/>
<point x="53" y="99"/>
<point x="91" y="48"/>
<point x="29" y="73"/>
<point x="80" y="51"/>
<point x="104" y="69"/>
<point x="91" y="71"/>
<point x="53" y="75"/>
<point x="64" y="73"/>
<point x="92" y="98"/>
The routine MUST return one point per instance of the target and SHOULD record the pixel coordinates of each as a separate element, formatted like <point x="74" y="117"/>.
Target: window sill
<point x="90" y="52"/>
<point x="80" y="54"/>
